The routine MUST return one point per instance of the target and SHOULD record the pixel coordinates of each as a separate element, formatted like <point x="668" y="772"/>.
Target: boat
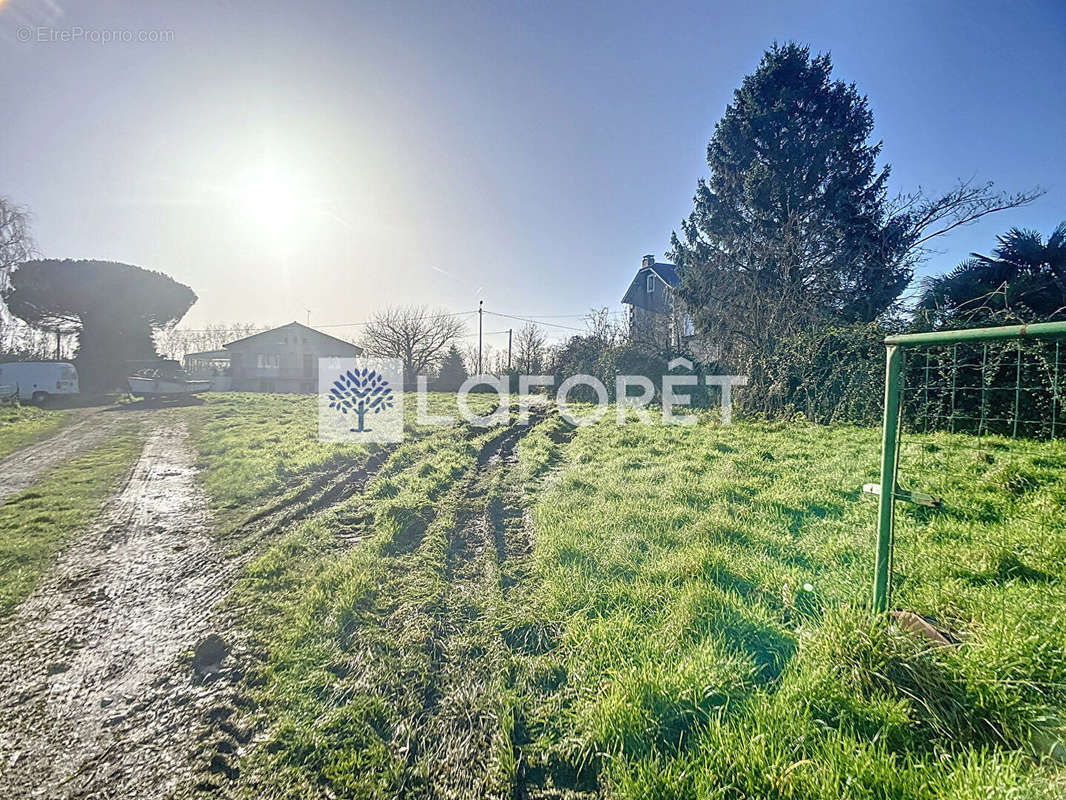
<point x="164" y="379"/>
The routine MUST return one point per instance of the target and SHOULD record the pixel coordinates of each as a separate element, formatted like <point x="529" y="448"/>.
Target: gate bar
<point x="1036" y="330"/>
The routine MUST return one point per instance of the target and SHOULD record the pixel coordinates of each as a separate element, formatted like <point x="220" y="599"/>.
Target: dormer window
<point x="651" y="283"/>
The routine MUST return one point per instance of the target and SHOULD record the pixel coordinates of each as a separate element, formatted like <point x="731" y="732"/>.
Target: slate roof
<point x="208" y="355"/>
<point x="667" y="273"/>
<point x="298" y="328"/>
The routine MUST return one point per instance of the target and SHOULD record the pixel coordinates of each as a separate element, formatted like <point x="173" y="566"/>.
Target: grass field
<point x="254" y="448"/>
<point x="23" y="425"/>
<point x="639" y="612"/>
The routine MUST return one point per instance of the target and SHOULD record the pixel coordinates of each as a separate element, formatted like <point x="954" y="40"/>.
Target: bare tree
<point x="16" y="246"/>
<point x="417" y="335"/>
<point x="493" y="360"/>
<point x="530" y="349"/>
<point x="924" y="217"/>
<point x="176" y="343"/>
<point x="603" y="329"/>
<point x="469" y="352"/>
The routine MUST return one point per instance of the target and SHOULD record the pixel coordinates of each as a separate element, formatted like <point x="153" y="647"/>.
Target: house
<point x="283" y="359"/>
<point x="212" y="365"/>
<point x="207" y="364"/>
<point x="658" y="320"/>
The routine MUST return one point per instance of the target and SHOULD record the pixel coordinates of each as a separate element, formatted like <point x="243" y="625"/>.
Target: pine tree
<point x="452" y="372"/>
<point x="114" y="308"/>
<point x="791" y="227"/>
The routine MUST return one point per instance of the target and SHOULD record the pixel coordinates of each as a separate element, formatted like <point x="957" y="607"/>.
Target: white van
<point x="38" y="380"/>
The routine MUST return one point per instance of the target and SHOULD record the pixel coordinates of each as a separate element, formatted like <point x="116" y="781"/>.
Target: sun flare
<point x="273" y="200"/>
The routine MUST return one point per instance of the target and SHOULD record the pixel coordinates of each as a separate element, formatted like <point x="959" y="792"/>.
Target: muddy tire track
<point x="460" y="735"/>
<point x="228" y="719"/>
<point x="327" y="489"/>
<point x="21" y="469"/>
<point x="84" y="661"/>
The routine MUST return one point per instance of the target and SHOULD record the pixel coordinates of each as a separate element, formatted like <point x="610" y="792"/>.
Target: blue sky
<point x="344" y="156"/>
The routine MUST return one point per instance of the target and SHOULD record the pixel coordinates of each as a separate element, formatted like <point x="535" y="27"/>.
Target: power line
<point x="433" y="316"/>
<point x="536" y="319"/>
<point x="486" y="333"/>
<point x="536" y="322"/>
<point x="330" y="325"/>
<point x="559" y="316"/>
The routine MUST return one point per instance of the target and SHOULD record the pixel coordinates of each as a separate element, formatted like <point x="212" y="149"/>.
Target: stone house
<point x="658" y="319"/>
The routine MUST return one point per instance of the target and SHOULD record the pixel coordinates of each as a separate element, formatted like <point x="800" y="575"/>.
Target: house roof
<point x="667" y="273"/>
<point x="296" y="327"/>
<point x="209" y="355"/>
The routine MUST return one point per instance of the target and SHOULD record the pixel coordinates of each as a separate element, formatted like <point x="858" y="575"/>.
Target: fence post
<point x="883" y="560"/>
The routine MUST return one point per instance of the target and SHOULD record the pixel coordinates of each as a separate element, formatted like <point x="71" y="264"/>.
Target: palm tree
<point x="1025" y="277"/>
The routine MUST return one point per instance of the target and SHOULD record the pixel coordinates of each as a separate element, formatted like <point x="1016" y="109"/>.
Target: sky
<point x="316" y="160"/>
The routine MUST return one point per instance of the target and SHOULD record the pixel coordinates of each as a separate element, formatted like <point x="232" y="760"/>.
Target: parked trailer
<point x="36" y="381"/>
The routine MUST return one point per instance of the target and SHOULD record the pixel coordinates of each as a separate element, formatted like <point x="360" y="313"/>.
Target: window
<point x="268" y="360"/>
<point x="687" y="326"/>
<point x="651" y="283"/>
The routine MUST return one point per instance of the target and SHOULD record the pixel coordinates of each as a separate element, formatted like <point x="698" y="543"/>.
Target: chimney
<point x="649" y="261"/>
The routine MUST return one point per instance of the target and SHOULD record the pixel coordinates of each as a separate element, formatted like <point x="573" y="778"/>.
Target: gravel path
<point x="95" y="697"/>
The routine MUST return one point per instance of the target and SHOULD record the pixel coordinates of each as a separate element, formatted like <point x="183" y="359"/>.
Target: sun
<point x="274" y="201"/>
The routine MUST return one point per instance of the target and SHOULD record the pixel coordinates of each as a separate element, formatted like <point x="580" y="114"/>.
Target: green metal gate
<point x="897" y="348"/>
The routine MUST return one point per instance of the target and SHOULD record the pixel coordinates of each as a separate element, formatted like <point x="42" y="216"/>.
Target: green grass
<point x="254" y="447"/>
<point x="35" y="524"/>
<point x="334" y="620"/>
<point x="690" y="622"/>
<point x="673" y="562"/>
<point x="23" y="425"/>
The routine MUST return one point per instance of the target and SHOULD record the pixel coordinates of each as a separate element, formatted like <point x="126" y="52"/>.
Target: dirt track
<point x="95" y="698"/>
<point x="20" y="470"/>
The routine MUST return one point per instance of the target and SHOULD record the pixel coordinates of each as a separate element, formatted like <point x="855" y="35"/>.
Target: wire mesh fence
<point x="1010" y="388"/>
<point x="975" y="453"/>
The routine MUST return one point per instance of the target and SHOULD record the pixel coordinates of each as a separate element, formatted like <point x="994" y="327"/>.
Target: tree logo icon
<point x="360" y="392"/>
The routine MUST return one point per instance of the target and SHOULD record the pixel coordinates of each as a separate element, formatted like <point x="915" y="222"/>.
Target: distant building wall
<point x="284" y="359"/>
<point x="649" y="329"/>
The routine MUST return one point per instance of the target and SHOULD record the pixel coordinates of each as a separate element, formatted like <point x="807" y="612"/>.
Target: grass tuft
<point x="24" y="425"/>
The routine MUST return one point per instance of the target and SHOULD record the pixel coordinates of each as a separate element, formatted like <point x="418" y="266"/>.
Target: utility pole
<point x="57" y="345"/>
<point x="509" y="332"/>
<point x="480" y="315"/>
